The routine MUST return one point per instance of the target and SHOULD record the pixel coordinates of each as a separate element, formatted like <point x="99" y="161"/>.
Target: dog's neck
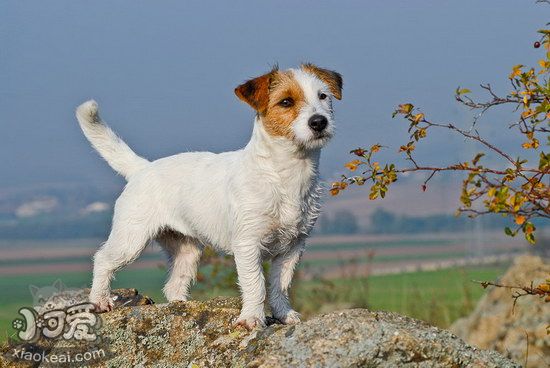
<point x="283" y="155"/>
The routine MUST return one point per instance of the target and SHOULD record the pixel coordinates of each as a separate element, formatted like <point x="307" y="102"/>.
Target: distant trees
<point x="381" y="221"/>
<point x="342" y="222"/>
<point x="385" y="222"/>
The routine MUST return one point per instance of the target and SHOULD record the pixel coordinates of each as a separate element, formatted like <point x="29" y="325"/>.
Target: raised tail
<point x="113" y="149"/>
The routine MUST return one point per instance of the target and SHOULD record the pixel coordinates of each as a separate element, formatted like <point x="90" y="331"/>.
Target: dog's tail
<point x="113" y="149"/>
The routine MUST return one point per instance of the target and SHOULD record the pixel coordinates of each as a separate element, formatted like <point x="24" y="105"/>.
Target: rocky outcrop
<point x="518" y="332"/>
<point x="201" y="334"/>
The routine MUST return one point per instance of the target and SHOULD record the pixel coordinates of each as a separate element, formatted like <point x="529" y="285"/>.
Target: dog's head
<point x="295" y="104"/>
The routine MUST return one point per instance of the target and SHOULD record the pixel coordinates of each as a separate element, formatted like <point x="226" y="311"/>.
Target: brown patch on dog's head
<point x="331" y="78"/>
<point x="277" y="97"/>
<point x="286" y="98"/>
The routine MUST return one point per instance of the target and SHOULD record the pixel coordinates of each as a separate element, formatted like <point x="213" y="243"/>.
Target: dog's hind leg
<point x="183" y="255"/>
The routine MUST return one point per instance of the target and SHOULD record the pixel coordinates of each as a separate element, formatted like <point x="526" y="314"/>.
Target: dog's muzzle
<point x="317" y="123"/>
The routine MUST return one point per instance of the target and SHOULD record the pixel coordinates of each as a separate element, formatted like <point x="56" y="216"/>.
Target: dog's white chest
<point x="294" y="217"/>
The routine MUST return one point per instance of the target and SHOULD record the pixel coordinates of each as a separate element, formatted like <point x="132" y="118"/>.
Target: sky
<point x="164" y="72"/>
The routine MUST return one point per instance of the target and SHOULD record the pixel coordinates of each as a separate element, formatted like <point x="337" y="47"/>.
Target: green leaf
<point x="544" y="160"/>
<point x="477" y="158"/>
<point x="509" y="231"/>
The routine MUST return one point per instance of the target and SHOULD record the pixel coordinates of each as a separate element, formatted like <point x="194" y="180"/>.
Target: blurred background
<point x="164" y="77"/>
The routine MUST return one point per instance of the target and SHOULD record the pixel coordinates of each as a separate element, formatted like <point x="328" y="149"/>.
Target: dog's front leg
<point x="280" y="278"/>
<point x="252" y="283"/>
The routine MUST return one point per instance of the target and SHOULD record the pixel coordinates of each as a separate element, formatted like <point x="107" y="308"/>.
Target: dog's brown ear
<point x="255" y="92"/>
<point x="332" y="79"/>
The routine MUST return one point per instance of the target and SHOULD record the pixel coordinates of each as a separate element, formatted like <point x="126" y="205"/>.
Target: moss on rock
<point x="201" y="334"/>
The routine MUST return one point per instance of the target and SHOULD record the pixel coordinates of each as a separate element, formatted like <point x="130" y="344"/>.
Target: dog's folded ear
<point x="331" y="78"/>
<point x="255" y="92"/>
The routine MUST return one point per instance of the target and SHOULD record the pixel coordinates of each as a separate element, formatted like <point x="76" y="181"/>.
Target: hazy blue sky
<point x="164" y="72"/>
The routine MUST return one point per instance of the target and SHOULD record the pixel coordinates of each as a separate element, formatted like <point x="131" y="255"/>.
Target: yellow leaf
<point x="533" y="143"/>
<point x="517" y="67"/>
<point x="520" y="220"/>
<point x="418" y="117"/>
<point x="352" y="165"/>
<point x="516" y="70"/>
<point x="407" y="148"/>
<point x="405" y="108"/>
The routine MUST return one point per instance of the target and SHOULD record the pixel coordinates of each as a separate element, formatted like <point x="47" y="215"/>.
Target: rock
<point x="361" y="338"/>
<point x="494" y="325"/>
<point x="68" y="297"/>
<point x="201" y="334"/>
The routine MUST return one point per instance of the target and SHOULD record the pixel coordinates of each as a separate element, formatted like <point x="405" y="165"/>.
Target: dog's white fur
<point x="257" y="203"/>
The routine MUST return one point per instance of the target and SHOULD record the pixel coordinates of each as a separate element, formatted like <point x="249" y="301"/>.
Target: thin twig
<point x="519" y="291"/>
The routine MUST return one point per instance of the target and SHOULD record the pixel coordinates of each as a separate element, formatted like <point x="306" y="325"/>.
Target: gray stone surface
<point x="201" y="334"/>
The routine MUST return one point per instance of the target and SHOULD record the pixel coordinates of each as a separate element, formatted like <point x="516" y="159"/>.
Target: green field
<point x="439" y="297"/>
<point x="381" y="259"/>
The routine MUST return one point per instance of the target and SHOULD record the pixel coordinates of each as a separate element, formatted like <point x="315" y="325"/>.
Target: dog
<point x="258" y="203"/>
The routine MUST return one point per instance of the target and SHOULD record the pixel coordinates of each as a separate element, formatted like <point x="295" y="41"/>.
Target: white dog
<point x="257" y="203"/>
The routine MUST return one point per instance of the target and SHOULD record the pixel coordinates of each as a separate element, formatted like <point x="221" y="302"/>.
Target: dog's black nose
<point x="318" y="122"/>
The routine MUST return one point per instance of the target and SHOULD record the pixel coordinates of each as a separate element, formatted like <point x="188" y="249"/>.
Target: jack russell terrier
<point x="258" y="203"/>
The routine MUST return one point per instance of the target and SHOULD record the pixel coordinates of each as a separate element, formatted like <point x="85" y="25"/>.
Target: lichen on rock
<point x="202" y="334"/>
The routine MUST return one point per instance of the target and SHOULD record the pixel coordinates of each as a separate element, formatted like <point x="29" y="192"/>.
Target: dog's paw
<point x="250" y="322"/>
<point x="102" y="304"/>
<point x="88" y="109"/>
<point x="290" y="318"/>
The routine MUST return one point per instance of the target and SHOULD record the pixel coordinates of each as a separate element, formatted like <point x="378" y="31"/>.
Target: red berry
<point x="536" y="45"/>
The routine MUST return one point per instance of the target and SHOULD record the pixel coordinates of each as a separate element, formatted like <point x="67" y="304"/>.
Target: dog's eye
<point x="322" y="96"/>
<point x="287" y="102"/>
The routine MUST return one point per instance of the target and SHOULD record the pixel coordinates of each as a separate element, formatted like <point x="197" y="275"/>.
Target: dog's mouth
<point x="321" y="135"/>
<point x="318" y="140"/>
